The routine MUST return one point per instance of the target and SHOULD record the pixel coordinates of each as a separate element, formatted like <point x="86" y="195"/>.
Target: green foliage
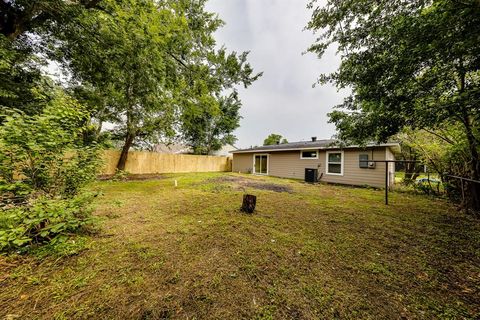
<point x="429" y="187"/>
<point x="414" y="65"/>
<point x="207" y="125"/>
<point x="211" y="105"/>
<point x="44" y="220"/>
<point x="443" y="150"/>
<point x="405" y="63"/>
<point x="47" y="151"/>
<point x="44" y="163"/>
<point x="446" y="152"/>
<point x="22" y="87"/>
<point x="22" y="16"/>
<point x="26" y="34"/>
<point x="273" y="139"/>
<point x="122" y="55"/>
<point x="147" y="63"/>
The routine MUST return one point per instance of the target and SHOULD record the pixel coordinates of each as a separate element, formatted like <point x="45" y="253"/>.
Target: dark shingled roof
<point x="304" y="145"/>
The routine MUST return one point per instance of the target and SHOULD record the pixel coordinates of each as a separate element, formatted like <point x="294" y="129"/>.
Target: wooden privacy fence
<point x="141" y="162"/>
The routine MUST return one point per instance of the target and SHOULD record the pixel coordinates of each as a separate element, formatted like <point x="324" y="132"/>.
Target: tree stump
<point x="249" y="203"/>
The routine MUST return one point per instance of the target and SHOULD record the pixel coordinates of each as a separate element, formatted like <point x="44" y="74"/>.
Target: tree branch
<point x="440" y="136"/>
<point x="178" y="60"/>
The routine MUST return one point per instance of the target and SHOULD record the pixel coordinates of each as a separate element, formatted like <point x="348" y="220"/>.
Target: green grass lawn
<point x="309" y="252"/>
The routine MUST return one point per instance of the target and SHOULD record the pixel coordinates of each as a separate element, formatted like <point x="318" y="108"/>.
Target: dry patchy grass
<point x="309" y="252"/>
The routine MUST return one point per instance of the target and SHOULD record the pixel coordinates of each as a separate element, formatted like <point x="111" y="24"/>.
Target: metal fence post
<point x="386" y="182"/>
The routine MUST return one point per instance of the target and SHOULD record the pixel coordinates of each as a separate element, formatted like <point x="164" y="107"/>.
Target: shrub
<point x="45" y="221"/>
<point x="431" y="188"/>
<point x="120" y="175"/>
<point x="45" y="162"/>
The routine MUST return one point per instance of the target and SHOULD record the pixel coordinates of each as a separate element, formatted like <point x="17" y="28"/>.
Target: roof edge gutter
<point x="316" y="148"/>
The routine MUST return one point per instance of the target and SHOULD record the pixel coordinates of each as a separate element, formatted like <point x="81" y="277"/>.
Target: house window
<point x="309" y="154"/>
<point x="335" y="163"/>
<point x="363" y="160"/>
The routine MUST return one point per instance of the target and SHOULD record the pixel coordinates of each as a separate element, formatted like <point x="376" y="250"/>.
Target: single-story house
<point x="353" y="165"/>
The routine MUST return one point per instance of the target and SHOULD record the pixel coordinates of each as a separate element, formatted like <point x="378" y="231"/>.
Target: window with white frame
<point x="335" y="162"/>
<point x="309" y="154"/>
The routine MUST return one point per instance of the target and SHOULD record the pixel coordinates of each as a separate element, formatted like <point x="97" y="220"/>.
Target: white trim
<point x="318" y="148"/>
<point x="341" y="163"/>
<point x="308" y="158"/>
<point x="268" y="163"/>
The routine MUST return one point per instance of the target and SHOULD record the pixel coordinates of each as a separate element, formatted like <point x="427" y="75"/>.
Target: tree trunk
<point x="417" y="172"/>
<point x="412" y="170"/>
<point x="126" y="147"/>
<point x="474" y="188"/>
<point x="474" y="165"/>
<point x="249" y="203"/>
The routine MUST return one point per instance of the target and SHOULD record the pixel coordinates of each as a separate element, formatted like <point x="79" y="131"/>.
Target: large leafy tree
<point x="120" y="55"/>
<point x="150" y="62"/>
<point x="412" y="64"/>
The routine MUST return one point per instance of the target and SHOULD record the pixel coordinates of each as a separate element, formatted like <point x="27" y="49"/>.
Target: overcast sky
<point x="283" y="100"/>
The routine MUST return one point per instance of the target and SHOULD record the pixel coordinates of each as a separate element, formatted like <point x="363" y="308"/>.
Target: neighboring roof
<point x="308" y="145"/>
<point x="226" y="150"/>
<point x="179" y="148"/>
<point x="174" y="148"/>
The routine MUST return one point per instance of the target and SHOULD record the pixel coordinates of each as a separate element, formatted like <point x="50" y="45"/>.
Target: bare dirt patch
<point x="240" y="183"/>
<point x="269" y="187"/>
<point x="133" y="177"/>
